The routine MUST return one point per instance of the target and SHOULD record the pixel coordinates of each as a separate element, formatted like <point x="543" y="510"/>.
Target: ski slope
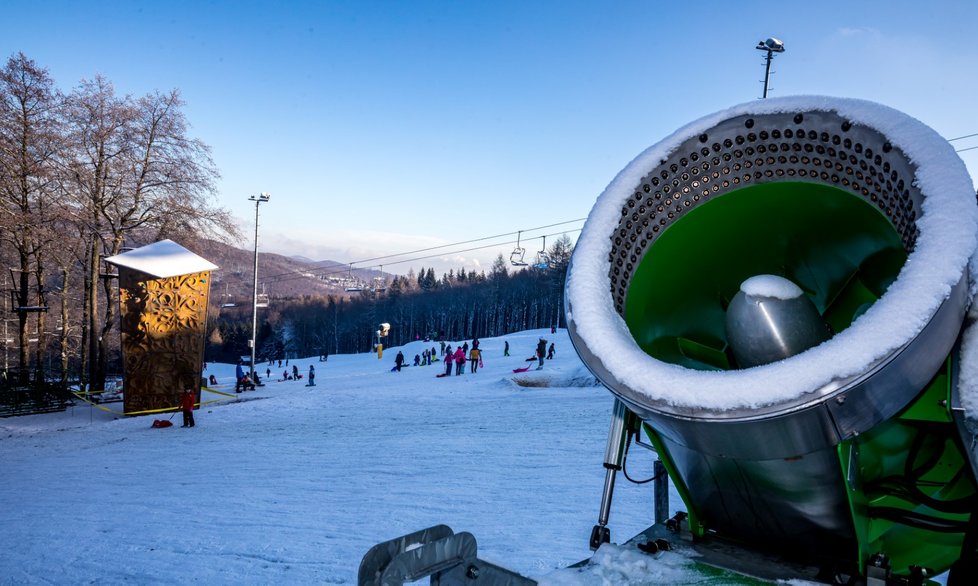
<point x="293" y="484"/>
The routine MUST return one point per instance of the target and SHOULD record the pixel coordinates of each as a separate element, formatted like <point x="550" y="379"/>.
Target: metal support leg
<point x="613" y="455"/>
<point x="661" y="491"/>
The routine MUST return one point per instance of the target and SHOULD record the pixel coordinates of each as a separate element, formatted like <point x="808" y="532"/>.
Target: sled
<point x="524" y="369"/>
<point x="442" y="375"/>
<point x="160" y="423"/>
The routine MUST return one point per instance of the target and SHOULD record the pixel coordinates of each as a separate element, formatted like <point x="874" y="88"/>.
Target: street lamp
<point x="772" y="46"/>
<point x="258" y="199"/>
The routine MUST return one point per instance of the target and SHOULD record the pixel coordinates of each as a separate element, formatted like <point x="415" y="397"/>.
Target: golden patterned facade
<point x="163" y="325"/>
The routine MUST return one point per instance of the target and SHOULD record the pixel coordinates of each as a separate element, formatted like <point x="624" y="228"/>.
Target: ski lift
<point x="381" y="281"/>
<point x="543" y="259"/>
<point x="227" y="301"/>
<point x="516" y="257"/>
<point x="354" y="286"/>
<point x="261" y="299"/>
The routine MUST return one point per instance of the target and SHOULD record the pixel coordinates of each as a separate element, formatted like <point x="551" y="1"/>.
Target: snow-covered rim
<point x="947" y="236"/>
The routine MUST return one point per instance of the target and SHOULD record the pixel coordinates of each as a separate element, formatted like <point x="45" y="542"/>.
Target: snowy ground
<point x="293" y="484"/>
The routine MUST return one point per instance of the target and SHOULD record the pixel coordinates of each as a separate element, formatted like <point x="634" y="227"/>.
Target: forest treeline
<point x="84" y="173"/>
<point x="455" y="306"/>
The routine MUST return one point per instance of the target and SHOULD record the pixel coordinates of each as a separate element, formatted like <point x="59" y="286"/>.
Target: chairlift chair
<point x="543" y="259"/>
<point x="516" y="257"/>
<point x="261" y="299"/>
<point x="227" y="300"/>
<point x="356" y="287"/>
<point x="380" y="283"/>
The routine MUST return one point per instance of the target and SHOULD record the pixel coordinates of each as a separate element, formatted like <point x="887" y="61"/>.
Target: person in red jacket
<point x="459" y="361"/>
<point x="187" y="404"/>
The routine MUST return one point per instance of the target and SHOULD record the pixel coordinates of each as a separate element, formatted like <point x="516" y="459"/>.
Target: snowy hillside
<point x="293" y="484"/>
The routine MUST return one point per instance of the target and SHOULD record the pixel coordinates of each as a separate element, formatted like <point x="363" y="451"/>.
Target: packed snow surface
<point x="948" y="225"/>
<point x="293" y="484"/>
<point x="771" y="286"/>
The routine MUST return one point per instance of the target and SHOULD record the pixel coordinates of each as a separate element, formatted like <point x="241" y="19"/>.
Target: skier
<point x="550" y="351"/>
<point x="459" y="361"/>
<point x="474" y="357"/>
<point x="506" y="348"/>
<point x="187" y="404"/>
<point x="398" y="361"/>
<point x="312" y="376"/>
<point x="541" y="352"/>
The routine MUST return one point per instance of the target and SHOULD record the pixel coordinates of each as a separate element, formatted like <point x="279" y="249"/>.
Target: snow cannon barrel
<point x="776" y="291"/>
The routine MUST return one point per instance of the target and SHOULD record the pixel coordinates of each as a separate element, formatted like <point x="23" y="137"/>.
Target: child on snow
<point x="474" y="357"/>
<point x="541" y="352"/>
<point x="187" y="404"/>
<point x="448" y="362"/>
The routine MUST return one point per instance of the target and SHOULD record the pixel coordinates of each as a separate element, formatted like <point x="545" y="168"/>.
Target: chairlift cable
<point x="962" y="137"/>
<point x="292" y="276"/>
<point x="411" y="252"/>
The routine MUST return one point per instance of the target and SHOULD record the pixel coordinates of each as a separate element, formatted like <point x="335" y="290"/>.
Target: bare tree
<point x="30" y="142"/>
<point x="139" y="176"/>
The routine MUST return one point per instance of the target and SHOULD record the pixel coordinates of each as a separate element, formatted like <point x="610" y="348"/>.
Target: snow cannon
<point x="774" y="294"/>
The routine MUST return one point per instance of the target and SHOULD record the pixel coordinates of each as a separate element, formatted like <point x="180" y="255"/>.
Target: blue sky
<point x="384" y="127"/>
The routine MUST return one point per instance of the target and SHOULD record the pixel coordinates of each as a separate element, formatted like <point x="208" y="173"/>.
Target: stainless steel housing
<point x="772" y="474"/>
<point x="818" y="147"/>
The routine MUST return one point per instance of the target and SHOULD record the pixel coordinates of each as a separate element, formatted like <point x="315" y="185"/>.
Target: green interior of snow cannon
<point x="837" y="247"/>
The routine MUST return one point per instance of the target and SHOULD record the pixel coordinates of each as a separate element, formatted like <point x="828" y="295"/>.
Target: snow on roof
<point x="945" y="247"/>
<point x="162" y="259"/>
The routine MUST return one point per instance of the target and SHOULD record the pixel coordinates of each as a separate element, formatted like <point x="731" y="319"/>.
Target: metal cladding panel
<point x="797" y="505"/>
<point x="163" y="326"/>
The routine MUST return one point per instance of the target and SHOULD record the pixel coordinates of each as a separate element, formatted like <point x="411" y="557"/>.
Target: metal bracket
<point x="448" y="558"/>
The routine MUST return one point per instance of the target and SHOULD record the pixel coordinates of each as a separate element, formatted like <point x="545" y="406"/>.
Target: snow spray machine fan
<point x="774" y="294"/>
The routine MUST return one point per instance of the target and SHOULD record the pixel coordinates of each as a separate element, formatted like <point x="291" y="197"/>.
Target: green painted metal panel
<point x="838" y="248"/>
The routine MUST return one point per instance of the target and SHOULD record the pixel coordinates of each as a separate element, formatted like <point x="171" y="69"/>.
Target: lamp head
<point x="771" y="44"/>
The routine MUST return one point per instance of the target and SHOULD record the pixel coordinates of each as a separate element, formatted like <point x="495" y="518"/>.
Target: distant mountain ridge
<point x="279" y="276"/>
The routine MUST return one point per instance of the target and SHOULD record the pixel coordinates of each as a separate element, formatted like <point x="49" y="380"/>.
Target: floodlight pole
<point x="258" y="199"/>
<point x="772" y="46"/>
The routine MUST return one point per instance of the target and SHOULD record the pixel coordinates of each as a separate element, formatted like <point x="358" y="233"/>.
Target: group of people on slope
<point x="426" y="357"/>
<point x="458" y="358"/>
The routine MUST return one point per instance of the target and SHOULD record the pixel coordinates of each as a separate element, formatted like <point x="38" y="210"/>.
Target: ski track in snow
<point x="295" y="488"/>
